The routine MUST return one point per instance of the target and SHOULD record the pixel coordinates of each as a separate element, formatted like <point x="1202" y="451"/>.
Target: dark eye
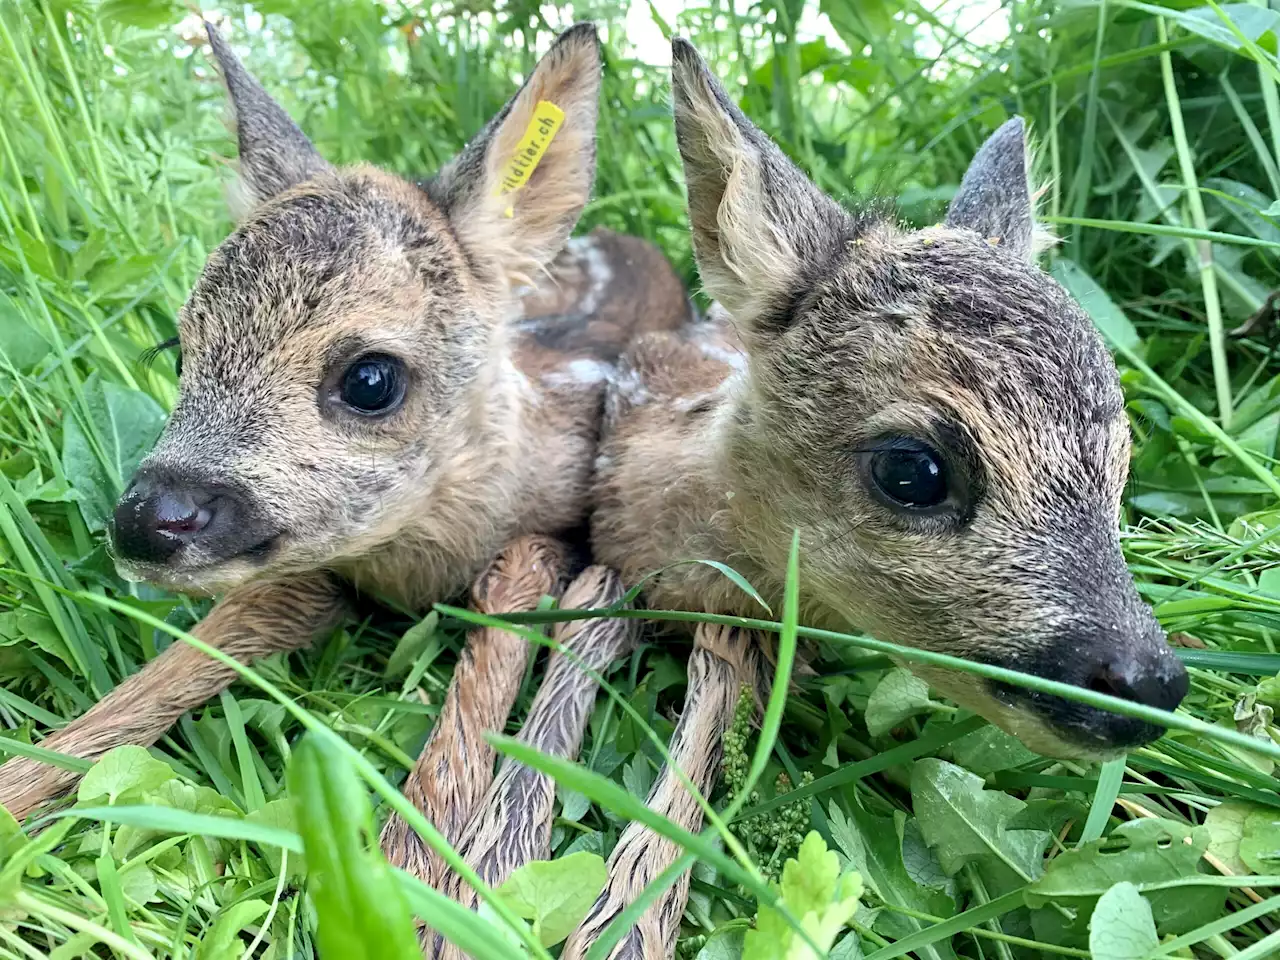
<point x="373" y="384"/>
<point x="177" y="364"/>
<point x="909" y="473"/>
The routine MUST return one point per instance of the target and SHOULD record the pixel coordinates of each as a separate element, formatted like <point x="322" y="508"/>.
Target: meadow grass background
<point x="1159" y="134"/>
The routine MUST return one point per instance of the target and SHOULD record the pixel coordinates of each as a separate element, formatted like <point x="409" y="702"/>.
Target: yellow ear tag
<point x="546" y="122"/>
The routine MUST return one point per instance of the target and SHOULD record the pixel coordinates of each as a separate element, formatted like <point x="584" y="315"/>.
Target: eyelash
<point x="149" y="355"/>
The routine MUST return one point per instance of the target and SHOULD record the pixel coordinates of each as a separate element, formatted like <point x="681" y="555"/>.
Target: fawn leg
<point x="456" y="764"/>
<point x="251" y="621"/>
<point x="724" y="658"/>
<point x="513" y="824"/>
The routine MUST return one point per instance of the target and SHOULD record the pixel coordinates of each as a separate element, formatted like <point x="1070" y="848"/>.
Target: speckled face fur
<point x="338" y="349"/>
<point x="936" y="415"/>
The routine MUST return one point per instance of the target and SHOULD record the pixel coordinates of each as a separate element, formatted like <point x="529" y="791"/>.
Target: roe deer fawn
<point x="367" y="402"/>
<point x="934" y="414"/>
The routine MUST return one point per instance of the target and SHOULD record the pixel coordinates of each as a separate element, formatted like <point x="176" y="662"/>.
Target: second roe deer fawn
<point x="935" y="415"/>
<point x="372" y="398"/>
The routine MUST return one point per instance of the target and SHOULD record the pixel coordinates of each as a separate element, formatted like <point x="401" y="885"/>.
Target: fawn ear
<point x="761" y="230"/>
<point x="995" y="195"/>
<point x="274" y="154"/>
<point x="516" y="190"/>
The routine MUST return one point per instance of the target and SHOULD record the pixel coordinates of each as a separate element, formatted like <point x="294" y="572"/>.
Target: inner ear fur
<point x="521" y="231"/>
<point x="761" y="229"/>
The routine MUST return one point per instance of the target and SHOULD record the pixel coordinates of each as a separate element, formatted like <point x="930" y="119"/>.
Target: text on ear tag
<point x="542" y="129"/>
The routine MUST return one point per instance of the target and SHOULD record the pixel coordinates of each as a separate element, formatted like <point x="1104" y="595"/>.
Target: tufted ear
<point x="761" y="230"/>
<point x="994" y="198"/>
<point x="515" y="192"/>
<point x="274" y="154"/>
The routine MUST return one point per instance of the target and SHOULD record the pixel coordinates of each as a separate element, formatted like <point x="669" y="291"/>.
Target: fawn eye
<point x="909" y="473"/>
<point x="373" y="384"/>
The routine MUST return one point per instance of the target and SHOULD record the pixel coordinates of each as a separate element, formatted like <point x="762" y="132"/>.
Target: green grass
<point x="1159" y="133"/>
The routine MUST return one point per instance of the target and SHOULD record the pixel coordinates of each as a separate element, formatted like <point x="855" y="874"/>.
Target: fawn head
<point x="339" y="349"/>
<point x="937" y="416"/>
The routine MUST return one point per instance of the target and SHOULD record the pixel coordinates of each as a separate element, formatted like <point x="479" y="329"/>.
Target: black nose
<point x="1139" y="667"/>
<point x="1155" y="678"/>
<point x="161" y="512"/>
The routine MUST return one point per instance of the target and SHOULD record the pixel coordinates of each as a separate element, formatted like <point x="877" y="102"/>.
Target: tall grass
<point x="1159" y="133"/>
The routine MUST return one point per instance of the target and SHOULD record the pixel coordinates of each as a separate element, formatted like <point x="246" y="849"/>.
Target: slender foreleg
<point x="250" y="622"/>
<point x="723" y="660"/>
<point x="513" y="825"/>
<point x="455" y="767"/>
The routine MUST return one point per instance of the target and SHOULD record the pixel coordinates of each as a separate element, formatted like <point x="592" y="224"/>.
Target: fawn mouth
<point x="1085" y="728"/>
<point x="201" y="571"/>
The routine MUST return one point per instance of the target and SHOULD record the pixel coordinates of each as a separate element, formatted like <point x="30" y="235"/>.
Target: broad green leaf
<point x="190" y="797"/>
<point x="1121" y="927"/>
<point x="175" y="795"/>
<point x="30" y="626"/>
<point x="899" y="694"/>
<point x="148" y="14"/>
<point x="1097" y="303"/>
<point x="1048" y="815"/>
<point x="849" y="947"/>
<point x="126" y="769"/>
<point x="222" y="942"/>
<point x="555" y="895"/>
<point x="1142" y="852"/>
<point x="920" y="862"/>
<point x="280" y="815"/>
<point x="725" y="942"/>
<point x="1250" y="20"/>
<point x="964" y="822"/>
<point x="510" y="939"/>
<point x="573" y="805"/>
<point x="138" y="883"/>
<point x="1260" y="842"/>
<point x="21" y="344"/>
<point x="1225" y="824"/>
<point x="990" y="750"/>
<point x="100" y="456"/>
<point x="873" y="847"/>
<point x="637" y="776"/>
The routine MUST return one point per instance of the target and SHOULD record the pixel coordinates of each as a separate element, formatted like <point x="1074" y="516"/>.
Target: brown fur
<point x="839" y="338"/>
<point x="724" y="660"/>
<point x="496" y="435"/>
<point x="256" y="620"/>
<point x="480" y="696"/>
<point x="513" y="824"/>
<point x="839" y="329"/>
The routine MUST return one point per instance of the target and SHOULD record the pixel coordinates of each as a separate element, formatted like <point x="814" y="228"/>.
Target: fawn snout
<point x="164" y="513"/>
<point x="1140" y="668"/>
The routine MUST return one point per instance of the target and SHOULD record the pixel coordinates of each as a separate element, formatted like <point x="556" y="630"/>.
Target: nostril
<point x="1103" y="681"/>
<point x="179" y="513"/>
<point x="1159" y="682"/>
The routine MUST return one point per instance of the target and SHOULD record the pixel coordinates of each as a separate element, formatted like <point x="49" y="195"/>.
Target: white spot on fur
<point x="734" y="358"/>
<point x="598" y="272"/>
<point x="630" y="387"/>
<point x="583" y="373"/>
